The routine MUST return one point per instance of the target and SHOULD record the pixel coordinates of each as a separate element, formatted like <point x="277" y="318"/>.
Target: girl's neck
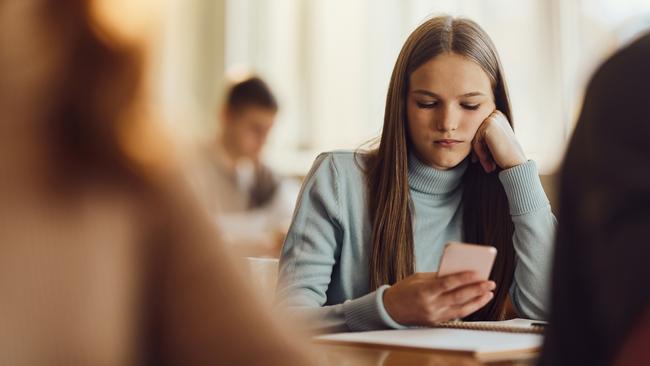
<point x="426" y="179"/>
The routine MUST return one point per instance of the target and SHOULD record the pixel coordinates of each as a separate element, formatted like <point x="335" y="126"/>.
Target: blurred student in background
<point x="600" y="302"/>
<point x="245" y="183"/>
<point x="251" y="204"/>
<point x="104" y="260"/>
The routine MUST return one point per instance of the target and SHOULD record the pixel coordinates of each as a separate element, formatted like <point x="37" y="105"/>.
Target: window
<point x="329" y="62"/>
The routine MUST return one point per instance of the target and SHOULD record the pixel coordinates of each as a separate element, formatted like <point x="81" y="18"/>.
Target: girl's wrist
<point x="514" y="163"/>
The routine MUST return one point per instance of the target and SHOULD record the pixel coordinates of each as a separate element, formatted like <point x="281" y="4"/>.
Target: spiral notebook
<point x="486" y="341"/>
<point x="518" y="325"/>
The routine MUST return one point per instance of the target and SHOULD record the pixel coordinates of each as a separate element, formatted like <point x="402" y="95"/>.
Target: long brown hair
<point x="486" y="217"/>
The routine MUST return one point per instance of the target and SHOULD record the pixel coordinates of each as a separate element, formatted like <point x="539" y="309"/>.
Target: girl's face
<point x="448" y="98"/>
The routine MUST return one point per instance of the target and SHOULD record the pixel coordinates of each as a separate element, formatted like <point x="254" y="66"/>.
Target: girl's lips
<point x="447" y="143"/>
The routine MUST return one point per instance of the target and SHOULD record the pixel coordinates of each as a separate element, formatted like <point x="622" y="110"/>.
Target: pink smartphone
<point x="461" y="257"/>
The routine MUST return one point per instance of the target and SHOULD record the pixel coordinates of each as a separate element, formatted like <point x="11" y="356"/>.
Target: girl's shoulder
<point x="339" y="176"/>
<point x="343" y="164"/>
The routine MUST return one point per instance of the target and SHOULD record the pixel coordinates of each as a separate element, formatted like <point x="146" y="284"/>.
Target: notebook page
<point x="442" y="339"/>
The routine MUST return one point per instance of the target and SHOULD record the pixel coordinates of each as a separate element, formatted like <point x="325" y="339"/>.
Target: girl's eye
<point x="426" y="105"/>
<point x="471" y="107"/>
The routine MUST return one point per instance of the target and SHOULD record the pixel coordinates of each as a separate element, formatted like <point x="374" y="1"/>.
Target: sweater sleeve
<point x="535" y="227"/>
<point x="310" y="252"/>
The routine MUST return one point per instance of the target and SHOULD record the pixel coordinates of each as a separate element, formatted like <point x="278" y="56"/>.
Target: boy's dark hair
<point x="250" y="92"/>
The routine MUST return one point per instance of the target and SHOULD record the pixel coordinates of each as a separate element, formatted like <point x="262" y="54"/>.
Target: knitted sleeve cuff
<point x="368" y="312"/>
<point x="523" y="188"/>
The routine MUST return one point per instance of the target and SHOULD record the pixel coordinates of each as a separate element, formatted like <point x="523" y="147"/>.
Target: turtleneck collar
<point x="425" y="179"/>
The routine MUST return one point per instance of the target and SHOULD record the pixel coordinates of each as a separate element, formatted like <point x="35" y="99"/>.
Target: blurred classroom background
<point x="328" y="63"/>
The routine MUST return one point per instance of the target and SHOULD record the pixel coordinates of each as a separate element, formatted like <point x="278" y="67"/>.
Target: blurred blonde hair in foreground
<point x="104" y="258"/>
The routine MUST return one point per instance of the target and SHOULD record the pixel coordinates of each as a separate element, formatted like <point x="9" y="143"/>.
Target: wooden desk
<point x="339" y="355"/>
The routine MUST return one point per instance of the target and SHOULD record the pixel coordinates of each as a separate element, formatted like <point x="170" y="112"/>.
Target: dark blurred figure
<point x="602" y="260"/>
<point x="104" y="260"/>
<point x="635" y="350"/>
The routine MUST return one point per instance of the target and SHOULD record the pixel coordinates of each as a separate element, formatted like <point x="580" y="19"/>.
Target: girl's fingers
<point x="454" y="281"/>
<point x="464" y="294"/>
<point x="461" y="311"/>
<point x="489" y="163"/>
<point x="483" y="153"/>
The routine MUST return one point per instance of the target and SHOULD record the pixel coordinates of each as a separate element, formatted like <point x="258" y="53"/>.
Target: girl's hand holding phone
<point x="425" y="299"/>
<point x="459" y="288"/>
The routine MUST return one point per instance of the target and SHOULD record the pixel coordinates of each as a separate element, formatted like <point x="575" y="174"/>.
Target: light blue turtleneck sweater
<point x="324" y="263"/>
